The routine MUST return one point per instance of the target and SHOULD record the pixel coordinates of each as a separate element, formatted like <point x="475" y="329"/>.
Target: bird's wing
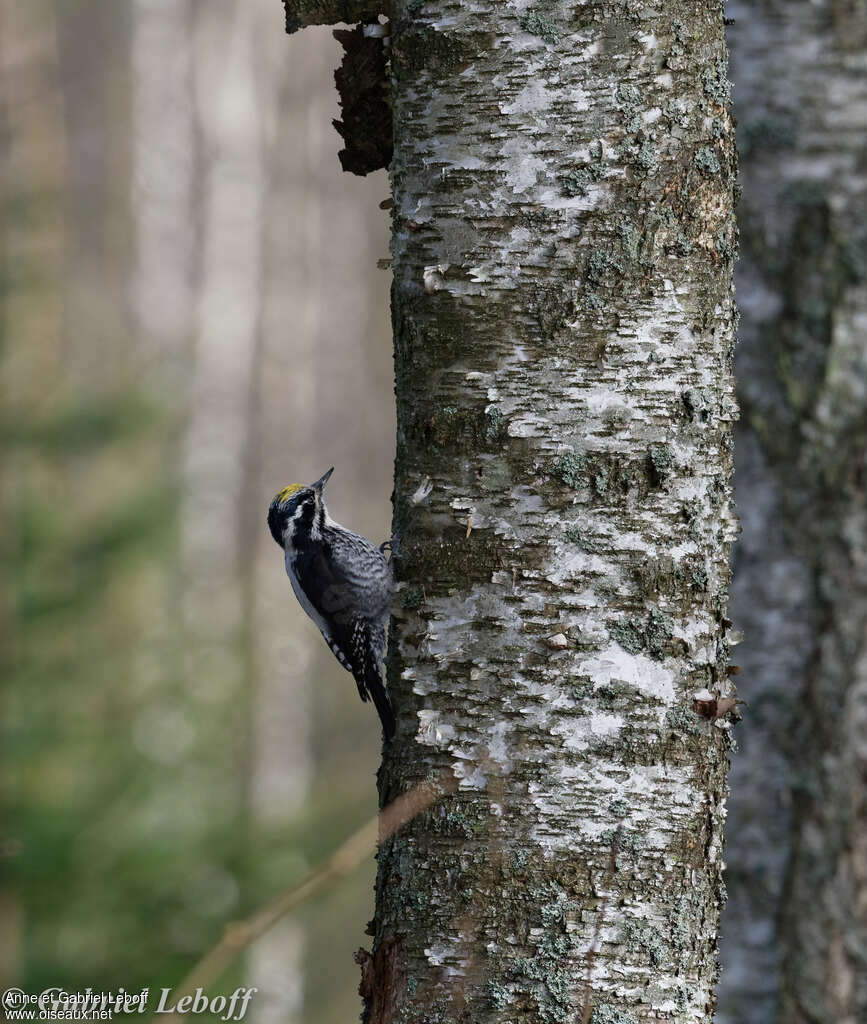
<point x="331" y="595"/>
<point x="337" y="591"/>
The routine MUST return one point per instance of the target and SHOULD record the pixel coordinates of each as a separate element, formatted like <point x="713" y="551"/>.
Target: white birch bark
<point x="563" y="319"/>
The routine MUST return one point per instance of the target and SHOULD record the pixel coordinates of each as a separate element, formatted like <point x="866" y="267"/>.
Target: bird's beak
<point x="319" y="486"/>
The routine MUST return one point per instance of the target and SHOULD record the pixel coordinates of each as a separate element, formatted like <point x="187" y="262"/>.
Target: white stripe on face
<point x="293" y="523"/>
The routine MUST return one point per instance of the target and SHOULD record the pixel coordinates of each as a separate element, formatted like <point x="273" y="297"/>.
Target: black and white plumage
<point x="342" y="581"/>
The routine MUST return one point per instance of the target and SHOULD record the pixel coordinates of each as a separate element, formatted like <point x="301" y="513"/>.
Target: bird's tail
<point x="375" y="687"/>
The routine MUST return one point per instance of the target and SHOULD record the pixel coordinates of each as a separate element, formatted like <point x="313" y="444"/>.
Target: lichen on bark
<point x="563" y="319"/>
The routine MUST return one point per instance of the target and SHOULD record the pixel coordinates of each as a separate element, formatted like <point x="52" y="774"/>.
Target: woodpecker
<point x="343" y="583"/>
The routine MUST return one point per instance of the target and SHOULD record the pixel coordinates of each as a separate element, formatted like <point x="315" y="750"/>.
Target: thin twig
<point x="346" y="858"/>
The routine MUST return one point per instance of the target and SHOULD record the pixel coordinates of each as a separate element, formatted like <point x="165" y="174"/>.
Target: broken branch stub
<point x="365" y="102"/>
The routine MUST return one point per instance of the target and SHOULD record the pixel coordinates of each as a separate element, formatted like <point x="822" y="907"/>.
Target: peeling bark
<point x="801" y="578"/>
<point x="383" y="981"/>
<point x="300" y="13"/>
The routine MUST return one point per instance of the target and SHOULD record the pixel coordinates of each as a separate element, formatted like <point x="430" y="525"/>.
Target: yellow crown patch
<point x="287" y="492"/>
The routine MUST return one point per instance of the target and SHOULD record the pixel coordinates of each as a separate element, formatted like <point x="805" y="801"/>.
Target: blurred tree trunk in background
<point x="164" y="198"/>
<point x="94" y="100"/>
<point x="800" y="592"/>
<point x="238" y="90"/>
<point x="563" y="319"/>
<point x="165" y="207"/>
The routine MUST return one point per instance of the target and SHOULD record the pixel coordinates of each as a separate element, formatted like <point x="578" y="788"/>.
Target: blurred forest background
<point x="192" y="317"/>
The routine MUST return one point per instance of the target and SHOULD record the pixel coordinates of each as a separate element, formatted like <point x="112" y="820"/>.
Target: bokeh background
<point x="191" y="317"/>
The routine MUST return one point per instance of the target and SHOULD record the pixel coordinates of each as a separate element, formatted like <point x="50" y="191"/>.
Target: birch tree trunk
<point x="801" y="590"/>
<point x="563" y="321"/>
